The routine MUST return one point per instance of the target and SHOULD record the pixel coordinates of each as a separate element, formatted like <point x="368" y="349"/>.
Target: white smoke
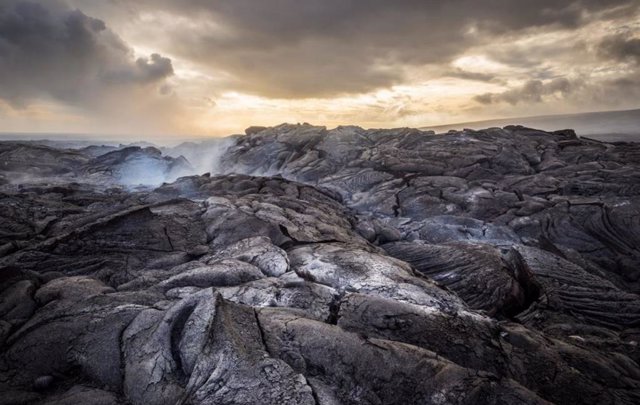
<point x="126" y="165"/>
<point x="203" y="156"/>
<point x="144" y="172"/>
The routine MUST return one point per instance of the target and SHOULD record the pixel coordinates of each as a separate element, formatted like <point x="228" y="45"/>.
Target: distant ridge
<point x="604" y="125"/>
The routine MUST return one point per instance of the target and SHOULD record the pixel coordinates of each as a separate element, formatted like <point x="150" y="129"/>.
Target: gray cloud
<point x="310" y="48"/>
<point x="52" y="51"/>
<point x="477" y="76"/>
<point x="585" y="92"/>
<point x="533" y="91"/>
<point x="622" y="47"/>
<point x="288" y="19"/>
<point x="68" y="50"/>
<point x="145" y="70"/>
<point x="620" y="92"/>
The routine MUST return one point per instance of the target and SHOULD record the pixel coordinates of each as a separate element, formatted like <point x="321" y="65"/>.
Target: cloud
<point x="621" y="47"/>
<point x="310" y="48"/>
<point x="467" y="75"/>
<point x="145" y="70"/>
<point x="533" y="91"/>
<point x="219" y="66"/>
<point x="48" y="50"/>
<point x="619" y="92"/>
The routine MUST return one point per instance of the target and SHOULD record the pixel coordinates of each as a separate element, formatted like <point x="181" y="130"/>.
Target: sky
<point x="191" y="68"/>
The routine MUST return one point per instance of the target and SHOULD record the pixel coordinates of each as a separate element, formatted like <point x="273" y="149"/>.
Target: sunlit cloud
<point x="222" y="66"/>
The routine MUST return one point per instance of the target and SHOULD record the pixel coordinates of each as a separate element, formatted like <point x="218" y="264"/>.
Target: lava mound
<point x="343" y="266"/>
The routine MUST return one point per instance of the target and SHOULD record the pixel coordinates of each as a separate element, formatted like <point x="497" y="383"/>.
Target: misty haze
<point x="319" y="202"/>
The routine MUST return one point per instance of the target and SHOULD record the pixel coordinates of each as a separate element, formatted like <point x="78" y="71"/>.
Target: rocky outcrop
<point x="28" y="163"/>
<point x="360" y="267"/>
<point x="572" y="196"/>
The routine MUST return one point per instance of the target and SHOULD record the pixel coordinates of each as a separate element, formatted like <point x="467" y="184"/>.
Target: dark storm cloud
<point x="280" y="18"/>
<point x="532" y="91"/>
<point x="621" y="47"/>
<point x="50" y="50"/>
<point x="306" y="48"/>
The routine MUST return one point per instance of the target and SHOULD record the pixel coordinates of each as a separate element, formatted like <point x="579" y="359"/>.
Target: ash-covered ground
<point x="317" y="266"/>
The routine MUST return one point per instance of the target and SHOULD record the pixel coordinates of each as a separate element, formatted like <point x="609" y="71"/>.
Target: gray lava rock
<point x="342" y="266"/>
